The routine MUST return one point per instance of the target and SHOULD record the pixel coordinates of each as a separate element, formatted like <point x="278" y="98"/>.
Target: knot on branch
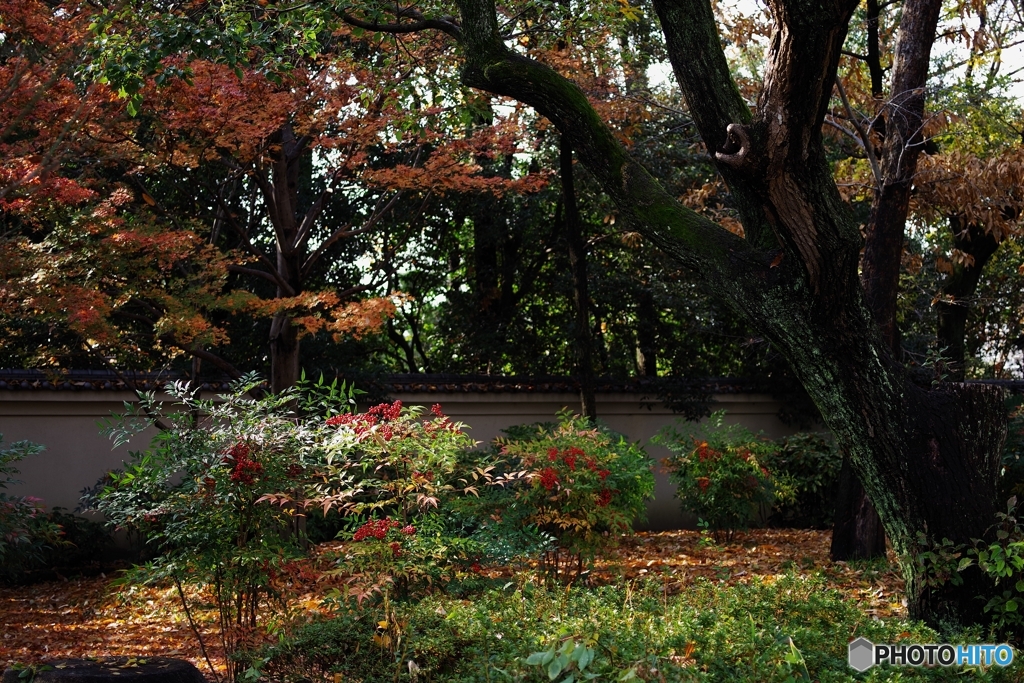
<point x="736" y="151"/>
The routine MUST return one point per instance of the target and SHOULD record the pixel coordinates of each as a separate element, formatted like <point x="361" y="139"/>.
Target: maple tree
<point x="231" y="191"/>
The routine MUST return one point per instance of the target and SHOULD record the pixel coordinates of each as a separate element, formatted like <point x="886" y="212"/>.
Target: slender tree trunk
<point x="284" y="214"/>
<point x="904" y="117"/>
<point x="858" y="533"/>
<point x="874" y="60"/>
<point x="961" y="285"/>
<point x="646" y="334"/>
<point x="582" y="343"/>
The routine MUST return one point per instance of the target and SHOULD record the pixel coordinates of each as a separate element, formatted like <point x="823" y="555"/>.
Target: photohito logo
<point x="864" y="654"/>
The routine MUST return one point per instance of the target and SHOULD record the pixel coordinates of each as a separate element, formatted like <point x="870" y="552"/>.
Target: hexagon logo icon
<point x="862" y="654"/>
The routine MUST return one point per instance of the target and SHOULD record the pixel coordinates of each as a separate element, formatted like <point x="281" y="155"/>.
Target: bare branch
<point x="869" y="148"/>
<point x="347" y="231"/>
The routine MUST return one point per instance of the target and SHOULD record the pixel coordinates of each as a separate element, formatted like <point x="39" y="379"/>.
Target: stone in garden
<point x="109" y="670"/>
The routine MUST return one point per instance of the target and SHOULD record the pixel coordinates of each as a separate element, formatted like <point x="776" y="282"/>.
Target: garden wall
<point x="64" y="417"/>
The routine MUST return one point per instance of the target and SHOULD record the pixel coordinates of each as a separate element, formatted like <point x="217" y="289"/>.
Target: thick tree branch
<point x="419" y="23"/>
<point x="695" y="50"/>
<point x="693" y="239"/>
<point x="242" y="270"/>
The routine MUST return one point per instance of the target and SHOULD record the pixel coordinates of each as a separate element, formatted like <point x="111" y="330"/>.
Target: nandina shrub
<point x="404" y="463"/>
<point x="219" y="493"/>
<point x="583" y="485"/>
<point x="810" y="463"/>
<point x="722" y="475"/>
<point x="412" y="472"/>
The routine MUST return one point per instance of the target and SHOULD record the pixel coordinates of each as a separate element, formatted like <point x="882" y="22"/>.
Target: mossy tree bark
<point x="928" y="458"/>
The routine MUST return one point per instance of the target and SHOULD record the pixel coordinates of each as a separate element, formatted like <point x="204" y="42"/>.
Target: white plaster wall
<point x="67" y="423"/>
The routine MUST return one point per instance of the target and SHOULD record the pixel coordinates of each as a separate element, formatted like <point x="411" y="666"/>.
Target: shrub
<point x="1001" y="559"/>
<point x="26" y="531"/>
<point x="204" y="493"/>
<point x="578" y="483"/>
<point x="722" y="474"/>
<point x="809" y="463"/>
<point x="416" y="481"/>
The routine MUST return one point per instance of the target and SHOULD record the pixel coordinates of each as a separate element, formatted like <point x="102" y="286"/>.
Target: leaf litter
<point x="96" y="617"/>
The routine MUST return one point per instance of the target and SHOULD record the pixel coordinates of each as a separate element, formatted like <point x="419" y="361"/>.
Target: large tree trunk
<point x="857" y="531"/>
<point x="927" y="458"/>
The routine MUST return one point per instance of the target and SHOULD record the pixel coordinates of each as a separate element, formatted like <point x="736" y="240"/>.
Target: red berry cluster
<point x="548" y="478"/>
<point x="409" y="530"/>
<point x="341" y="420"/>
<point x="705" y="452"/>
<point x="294" y="471"/>
<point x="245" y="469"/>
<point x="362" y="424"/>
<point x="703" y="483"/>
<point x="375" y="528"/>
<point x="436" y="410"/>
<point x="387" y="411"/>
<point x="570" y="456"/>
<point x="603" y="498"/>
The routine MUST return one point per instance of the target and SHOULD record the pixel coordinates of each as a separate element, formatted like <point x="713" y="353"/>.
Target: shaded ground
<point x="91" y="617"/>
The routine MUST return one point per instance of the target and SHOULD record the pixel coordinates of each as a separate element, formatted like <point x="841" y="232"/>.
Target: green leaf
<point x="585" y="658"/>
<point x="554" y="668"/>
